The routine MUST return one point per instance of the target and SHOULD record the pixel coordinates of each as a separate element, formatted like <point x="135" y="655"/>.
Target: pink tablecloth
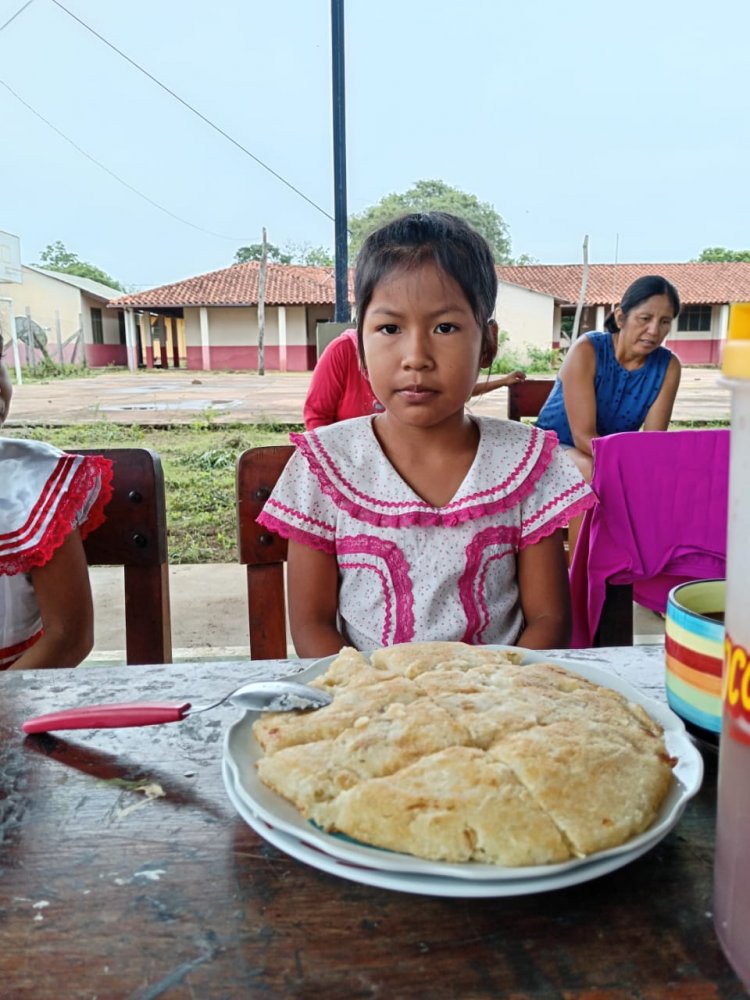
<point x="661" y="519"/>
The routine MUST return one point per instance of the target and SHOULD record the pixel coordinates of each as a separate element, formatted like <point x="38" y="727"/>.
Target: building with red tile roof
<point x="211" y="320"/>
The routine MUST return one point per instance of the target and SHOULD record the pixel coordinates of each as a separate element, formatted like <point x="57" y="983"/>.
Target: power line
<point x="14" y="16"/>
<point x="120" y="180"/>
<point x="190" y="107"/>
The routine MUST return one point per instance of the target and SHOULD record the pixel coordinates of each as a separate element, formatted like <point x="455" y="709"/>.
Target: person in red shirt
<point x="340" y="389"/>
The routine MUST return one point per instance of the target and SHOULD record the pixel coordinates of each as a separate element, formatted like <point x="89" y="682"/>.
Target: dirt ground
<point x="178" y="396"/>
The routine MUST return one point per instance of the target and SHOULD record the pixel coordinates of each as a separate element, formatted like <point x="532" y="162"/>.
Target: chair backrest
<point x="134" y="536"/>
<point x="525" y="399"/>
<point x="261" y="551"/>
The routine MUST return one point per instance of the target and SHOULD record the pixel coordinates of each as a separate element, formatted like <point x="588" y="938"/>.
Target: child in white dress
<point x="424" y="522"/>
<point x="49" y="501"/>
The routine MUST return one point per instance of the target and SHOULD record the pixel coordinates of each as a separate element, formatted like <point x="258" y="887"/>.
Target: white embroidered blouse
<point x="407" y="570"/>
<point x="44" y="495"/>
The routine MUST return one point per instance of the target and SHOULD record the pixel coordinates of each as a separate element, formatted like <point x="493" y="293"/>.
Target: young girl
<point x="49" y="501"/>
<point x="423" y="522"/>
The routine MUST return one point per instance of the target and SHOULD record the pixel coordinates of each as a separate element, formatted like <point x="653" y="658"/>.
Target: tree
<point x="293" y="253"/>
<point x="434" y="196"/>
<point x="715" y="255"/>
<point x="310" y="256"/>
<point x="255" y="252"/>
<point x="55" y="257"/>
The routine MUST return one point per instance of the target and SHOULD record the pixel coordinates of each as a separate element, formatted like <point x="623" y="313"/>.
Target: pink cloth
<point x="661" y="519"/>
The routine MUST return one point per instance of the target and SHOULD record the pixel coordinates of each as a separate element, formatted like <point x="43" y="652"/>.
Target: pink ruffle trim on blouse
<point x="560" y="520"/>
<point x="398" y="569"/>
<point x="312" y="541"/>
<point x="431" y="517"/>
<point x="69" y="504"/>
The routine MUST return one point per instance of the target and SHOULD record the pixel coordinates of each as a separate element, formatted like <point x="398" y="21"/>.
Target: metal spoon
<point x="258" y="696"/>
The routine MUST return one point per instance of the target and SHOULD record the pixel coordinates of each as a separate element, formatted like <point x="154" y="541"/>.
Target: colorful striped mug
<point x="694" y="646"/>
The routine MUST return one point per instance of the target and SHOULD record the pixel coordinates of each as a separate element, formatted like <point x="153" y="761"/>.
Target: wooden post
<point x="262" y="304"/>
<point x="582" y="293"/>
<point x="175" y="341"/>
<point x="30" y="342"/>
<point x="58" y="334"/>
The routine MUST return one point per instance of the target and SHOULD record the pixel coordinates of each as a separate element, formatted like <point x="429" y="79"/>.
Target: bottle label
<point x="736" y="691"/>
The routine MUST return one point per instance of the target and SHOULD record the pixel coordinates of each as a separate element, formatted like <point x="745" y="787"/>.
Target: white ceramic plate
<point x="241" y="753"/>
<point x="422" y="884"/>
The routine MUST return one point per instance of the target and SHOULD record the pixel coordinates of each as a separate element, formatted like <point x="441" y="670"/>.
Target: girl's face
<point x="646" y="326"/>
<point x="422" y="345"/>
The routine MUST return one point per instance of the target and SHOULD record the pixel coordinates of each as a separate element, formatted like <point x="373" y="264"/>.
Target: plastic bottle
<point x="732" y="866"/>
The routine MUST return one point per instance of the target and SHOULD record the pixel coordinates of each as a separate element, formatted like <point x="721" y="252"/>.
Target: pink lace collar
<point x="351" y="468"/>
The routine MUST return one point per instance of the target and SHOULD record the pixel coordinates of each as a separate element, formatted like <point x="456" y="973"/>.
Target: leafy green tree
<point x="55" y="257"/>
<point x="434" y="196"/>
<point x="255" y="250"/>
<point x="304" y="253"/>
<point x="720" y="254"/>
<point x="292" y="253"/>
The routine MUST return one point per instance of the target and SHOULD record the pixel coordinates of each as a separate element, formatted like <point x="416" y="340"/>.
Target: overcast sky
<point x="626" y="122"/>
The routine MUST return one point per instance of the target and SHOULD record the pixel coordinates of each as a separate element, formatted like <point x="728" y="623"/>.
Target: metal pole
<point x="342" y="313"/>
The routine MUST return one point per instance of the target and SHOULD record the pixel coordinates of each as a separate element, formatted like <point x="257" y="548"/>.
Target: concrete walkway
<point x="209" y="614"/>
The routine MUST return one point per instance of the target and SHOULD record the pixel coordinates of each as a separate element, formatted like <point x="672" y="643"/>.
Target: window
<point x="121" y="325"/>
<point x="97" y="331"/>
<point x="695" y="318"/>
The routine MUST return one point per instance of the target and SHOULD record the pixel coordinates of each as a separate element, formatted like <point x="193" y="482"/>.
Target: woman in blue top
<point x="620" y="380"/>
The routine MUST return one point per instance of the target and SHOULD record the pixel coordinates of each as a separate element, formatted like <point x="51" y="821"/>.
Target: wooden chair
<point x="261" y="551"/>
<point x="526" y="399"/>
<point x="134" y="536"/>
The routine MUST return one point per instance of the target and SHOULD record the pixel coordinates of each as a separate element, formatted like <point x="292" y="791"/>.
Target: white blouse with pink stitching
<point x="410" y="571"/>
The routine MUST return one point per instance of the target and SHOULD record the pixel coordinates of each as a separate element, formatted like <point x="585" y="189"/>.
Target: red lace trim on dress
<point x="431" y="517"/>
<point x="94" y="468"/>
<point x="10" y="654"/>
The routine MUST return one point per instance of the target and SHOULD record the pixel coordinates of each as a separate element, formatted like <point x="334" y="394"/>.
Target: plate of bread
<point x="450" y="769"/>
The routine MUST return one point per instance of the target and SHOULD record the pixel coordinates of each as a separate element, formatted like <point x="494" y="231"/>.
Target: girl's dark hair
<point x="642" y="289"/>
<point x="422" y="237"/>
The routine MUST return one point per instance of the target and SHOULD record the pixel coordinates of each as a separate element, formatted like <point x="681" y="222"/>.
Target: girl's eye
<point x="445" y="327"/>
<point x="388" y="328"/>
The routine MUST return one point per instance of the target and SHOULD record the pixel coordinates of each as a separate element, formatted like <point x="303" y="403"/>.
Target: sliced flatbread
<point x="460" y="753"/>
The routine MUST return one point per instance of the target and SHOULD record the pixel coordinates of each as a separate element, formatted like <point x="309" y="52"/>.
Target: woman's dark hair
<point x="642" y="289"/>
<point x="422" y="237"/>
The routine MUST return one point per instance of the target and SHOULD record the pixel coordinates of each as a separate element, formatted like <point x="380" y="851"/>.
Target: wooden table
<point x="108" y="892"/>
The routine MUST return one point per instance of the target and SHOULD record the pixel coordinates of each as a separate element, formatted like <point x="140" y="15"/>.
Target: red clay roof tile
<point x="292" y="285"/>
<point x="696" y="283"/>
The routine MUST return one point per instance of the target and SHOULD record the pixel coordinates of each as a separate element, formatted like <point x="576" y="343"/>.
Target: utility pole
<point x="342" y="313"/>
<point x="262" y="304"/>
<point x="582" y="292"/>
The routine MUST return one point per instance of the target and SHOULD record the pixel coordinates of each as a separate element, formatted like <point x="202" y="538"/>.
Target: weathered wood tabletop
<point x="110" y="889"/>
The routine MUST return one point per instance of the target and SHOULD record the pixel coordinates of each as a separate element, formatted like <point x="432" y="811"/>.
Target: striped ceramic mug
<point x="694" y="646"/>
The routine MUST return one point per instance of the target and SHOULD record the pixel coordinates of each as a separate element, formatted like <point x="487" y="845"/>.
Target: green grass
<point x="199" y="465"/>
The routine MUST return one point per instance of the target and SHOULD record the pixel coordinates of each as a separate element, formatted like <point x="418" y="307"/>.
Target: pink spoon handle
<point x="146" y="713"/>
